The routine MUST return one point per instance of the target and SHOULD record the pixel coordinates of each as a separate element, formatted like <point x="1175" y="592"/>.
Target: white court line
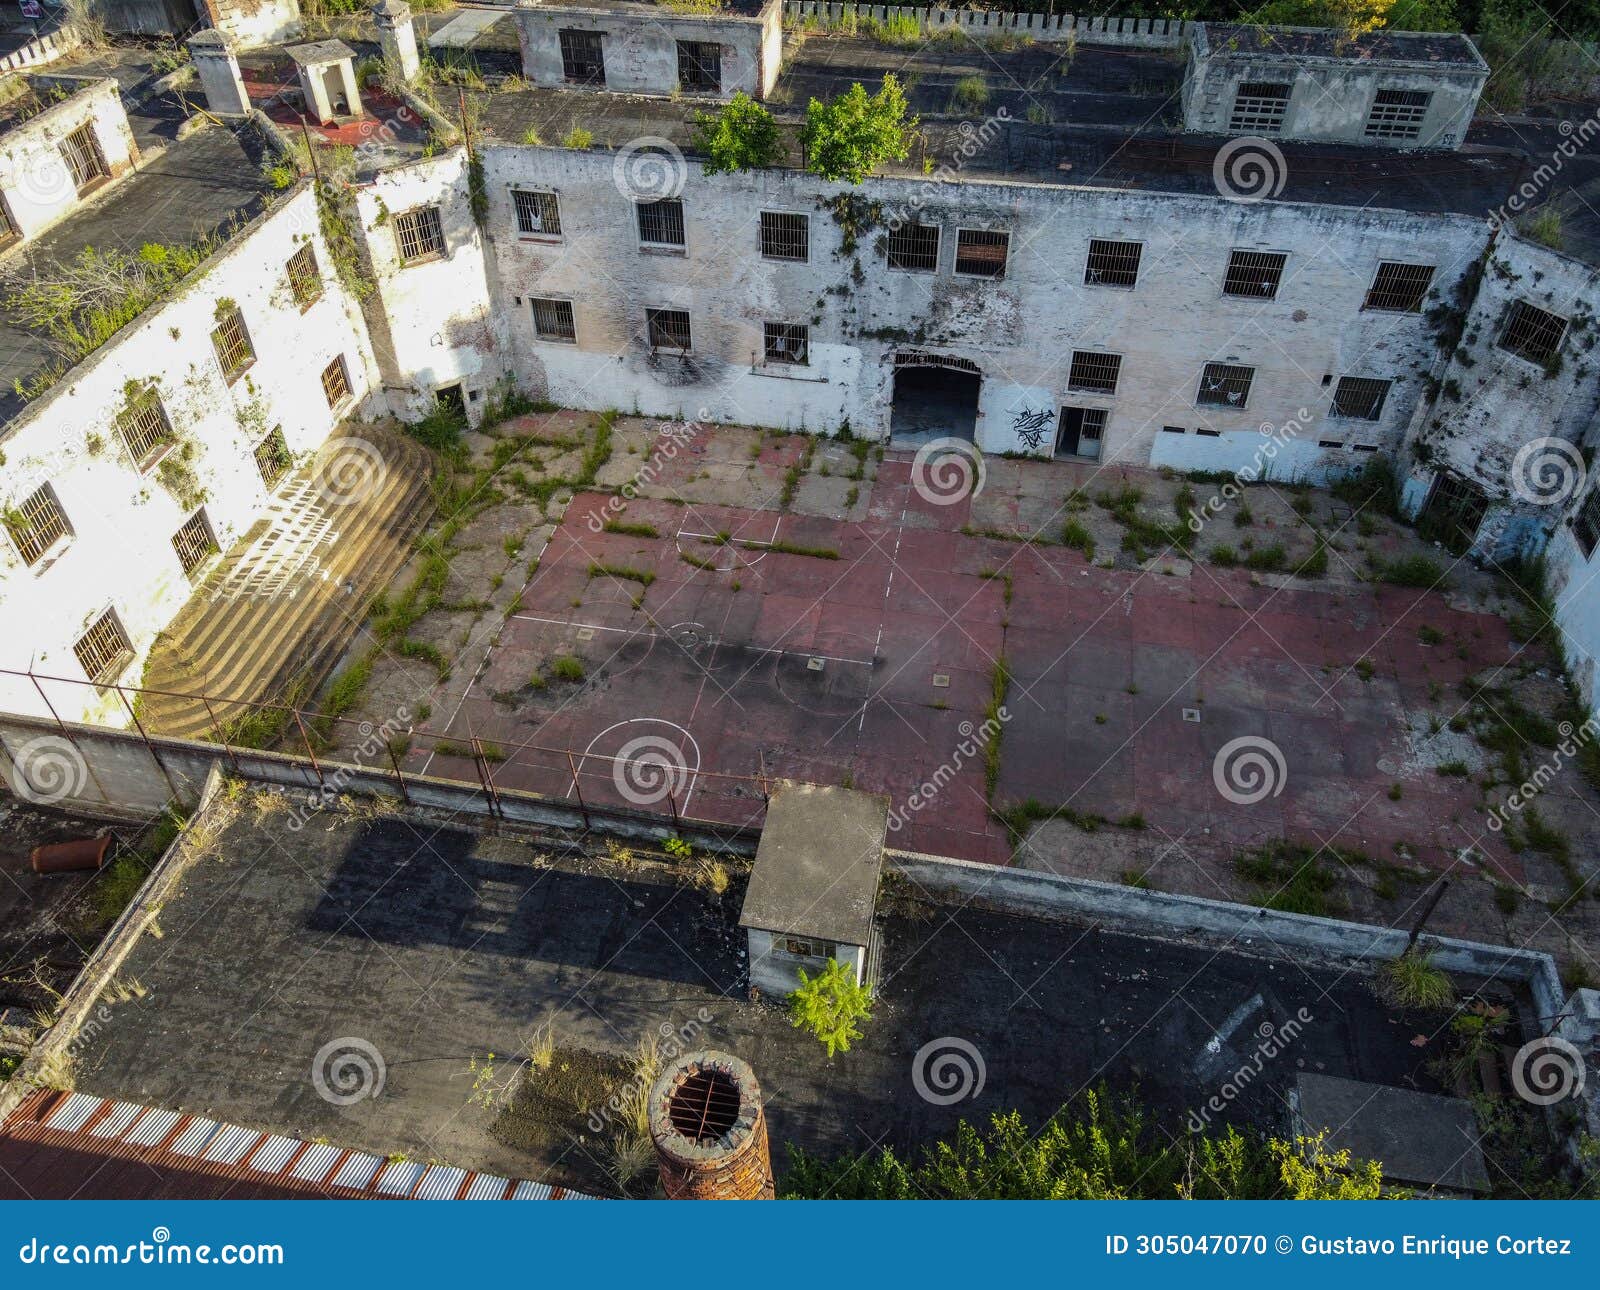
<point x="618" y="772"/>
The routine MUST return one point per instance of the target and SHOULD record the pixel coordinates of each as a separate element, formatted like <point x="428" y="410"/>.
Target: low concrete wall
<point x="44" y="48"/>
<point x="1142" y="33"/>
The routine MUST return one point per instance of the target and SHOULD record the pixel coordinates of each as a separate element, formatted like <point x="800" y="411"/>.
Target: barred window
<point x="1399" y="288"/>
<point x="8" y="226"/>
<point x="336" y="382"/>
<point x="982" y="253"/>
<point x="699" y="65"/>
<point x="553" y="320"/>
<point x="787" y="343"/>
<point x="1586" y="523"/>
<point x="785" y="236"/>
<point x="582" y="58"/>
<point x="538" y="213"/>
<point x="145" y="429"/>
<point x="1225" y="385"/>
<point x="1095" y="372"/>
<point x="1397" y="114"/>
<point x="272" y="457"/>
<point x="1259" y="107"/>
<point x="194" y="543"/>
<point x="661" y="223"/>
<point x="1256" y="274"/>
<point x="1359" y="397"/>
<point x="1532" y="333"/>
<point x="667" y="328"/>
<point x="81" y="151"/>
<point x="103" y="651"/>
<point x="914" y="247"/>
<point x="37" y="524"/>
<point x="1112" y="264"/>
<point x="232" y="343"/>
<point x="419" y="234"/>
<point x="305" y="276"/>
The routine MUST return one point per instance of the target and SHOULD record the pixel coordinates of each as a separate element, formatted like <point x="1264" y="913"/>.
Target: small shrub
<point x="578" y="138"/>
<point x="567" y="668"/>
<point x="1410" y="571"/>
<point x="1412" y="981"/>
<point x="829" y="1005"/>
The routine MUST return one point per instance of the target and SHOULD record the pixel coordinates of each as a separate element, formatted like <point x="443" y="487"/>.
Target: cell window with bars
<point x="272" y="457"/>
<point x="194" y="543"/>
<point x="419" y="235"/>
<point x="1360" y="398"/>
<point x="1586" y="523"/>
<point x="583" y="57"/>
<point x="699" y="65"/>
<point x="145" y="429"/>
<point x="553" y="320"/>
<point x="1112" y="264"/>
<point x="1256" y="274"/>
<point x="103" y="652"/>
<point x="1259" y="108"/>
<point x="8" y="226"/>
<point x="1224" y="385"/>
<point x="785" y="236"/>
<point x="305" y="277"/>
<point x="1397" y="114"/>
<point x="1096" y="373"/>
<point x="914" y="247"/>
<point x="538" y="213"/>
<point x="661" y="223"/>
<point x="981" y="252"/>
<point x="81" y="151"/>
<point x="336" y="383"/>
<point x="37" y="525"/>
<point x="786" y="343"/>
<point x="1532" y="333"/>
<point x="668" y="329"/>
<point x="232" y="343"/>
<point x="1399" y="288"/>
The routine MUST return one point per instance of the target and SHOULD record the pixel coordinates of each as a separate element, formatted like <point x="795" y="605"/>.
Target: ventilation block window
<point x="668" y="329"/>
<point x="195" y="543"/>
<point x="272" y="457"/>
<point x="538" y="213"/>
<point x="1359" y="397"/>
<point x="419" y="235"/>
<point x="1259" y="107"/>
<point x="1397" y="114"/>
<point x="232" y="343"/>
<point x="1399" y="288"/>
<point x="661" y="223"/>
<point x="553" y="320"/>
<point x="981" y="253"/>
<point x="1112" y="264"/>
<point x="103" y="651"/>
<point x="1532" y="333"/>
<point x="1094" y="372"/>
<point x="305" y="276"/>
<point x="786" y="343"/>
<point x="37" y="525"/>
<point x="1224" y="385"/>
<point x="914" y="247"/>
<point x="699" y="65"/>
<point x="582" y="59"/>
<point x="1255" y="274"/>
<point x="785" y="236"/>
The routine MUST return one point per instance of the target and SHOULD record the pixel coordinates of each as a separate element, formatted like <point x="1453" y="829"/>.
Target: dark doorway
<point x="934" y="398"/>
<point x="452" y="400"/>
<point x="1080" y="432"/>
<point x="1453" y="513"/>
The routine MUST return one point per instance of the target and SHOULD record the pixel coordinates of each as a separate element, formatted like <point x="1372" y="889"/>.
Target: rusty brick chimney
<point x="709" y="1130"/>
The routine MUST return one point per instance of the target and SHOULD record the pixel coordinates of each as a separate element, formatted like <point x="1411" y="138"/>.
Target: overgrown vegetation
<point x="851" y="136"/>
<point x="743" y="135"/>
<point x="830" y="1005"/>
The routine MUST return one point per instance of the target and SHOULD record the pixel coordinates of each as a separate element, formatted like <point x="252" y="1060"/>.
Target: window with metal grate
<point x="582" y="57"/>
<point x="553" y="320"/>
<point x="914" y="247"/>
<point x="103" y="651"/>
<point x="785" y="236"/>
<point x="667" y="329"/>
<point x="1399" y="288"/>
<point x="37" y="524"/>
<point x="982" y="252"/>
<point x="194" y="543"/>
<point x="1259" y="107"/>
<point x="1397" y="114"/>
<point x="1359" y="397"/>
<point x="1532" y="333"/>
<point x="81" y="151"/>
<point x="787" y="343"/>
<point x="661" y="222"/>
<point x="699" y="65"/>
<point x="232" y="344"/>
<point x="1256" y="274"/>
<point x="1112" y="264"/>
<point x="336" y="383"/>
<point x="419" y="235"/>
<point x="1095" y="372"/>
<point x="272" y="457"/>
<point x="1225" y="385"/>
<point x="305" y="276"/>
<point x="538" y="213"/>
<point x="145" y="429"/>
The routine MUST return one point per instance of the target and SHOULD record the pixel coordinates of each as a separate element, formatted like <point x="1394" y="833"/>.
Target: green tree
<point x="851" y="136"/>
<point x="829" y="1004"/>
<point x="742" y="136"/>
<point x="1358" y="17"/>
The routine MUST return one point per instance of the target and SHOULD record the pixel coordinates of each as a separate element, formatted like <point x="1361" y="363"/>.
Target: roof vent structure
<point x="710" y="1131"/>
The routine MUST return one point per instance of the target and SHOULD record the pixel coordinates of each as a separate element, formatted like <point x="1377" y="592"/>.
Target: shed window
<point x="806" y="947"/>
<point x="1112" y="264"/>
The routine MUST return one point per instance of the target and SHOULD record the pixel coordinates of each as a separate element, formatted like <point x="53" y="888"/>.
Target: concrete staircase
<point x="270" y="619"/>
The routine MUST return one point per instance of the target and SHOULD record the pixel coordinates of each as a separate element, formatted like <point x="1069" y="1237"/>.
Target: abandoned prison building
<point x="1306" y="260"/>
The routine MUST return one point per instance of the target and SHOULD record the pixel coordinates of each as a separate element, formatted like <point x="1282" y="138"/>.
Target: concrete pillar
<point x="396" y="36"/>
<point x="218" y="70"/>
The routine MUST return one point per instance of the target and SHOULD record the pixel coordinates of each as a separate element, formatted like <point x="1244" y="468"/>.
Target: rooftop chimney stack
<point x="397" y="37"/>
<point x="218" y="70"/>
<point x="710" y="1131"/>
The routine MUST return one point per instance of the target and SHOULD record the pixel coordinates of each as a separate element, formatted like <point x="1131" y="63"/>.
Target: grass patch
<point x="630" y="529"/>
<point x="1412" y="981"/>
<point x="1409" y="571"/>
<point x="1291" y="878"/>
<point x="567" y="668"/>
<point x="621" y="572"/>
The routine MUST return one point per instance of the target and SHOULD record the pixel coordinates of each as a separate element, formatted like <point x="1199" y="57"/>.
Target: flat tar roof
<point x="1326" y="42"/>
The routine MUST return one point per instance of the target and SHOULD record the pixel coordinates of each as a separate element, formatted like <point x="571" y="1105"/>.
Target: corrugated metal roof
<point x="443" y="1182"/>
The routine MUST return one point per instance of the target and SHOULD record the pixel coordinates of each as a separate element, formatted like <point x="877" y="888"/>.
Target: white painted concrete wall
<point x="777" y="972"/>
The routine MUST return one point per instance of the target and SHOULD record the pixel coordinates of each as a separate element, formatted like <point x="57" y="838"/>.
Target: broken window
<point x="1397" y="114"/>
<point x="305" y="276"/>
<point x="805" y="947"/>
<point x="1095" y="372"/>
<point x="144" y="428"/>
<point x="103" y="651"/>
<point x="1453" y="513"/>
<point x="336" y="383"/>
<point x="419" y="234"/>
<point x="1112" y="264"/>
<point x="1359" y="397"/>
<point x="667" y="328"/>
<point x="553" y="320"/>
<point x="232" y="343"/>
<point x="1532" y="333"/>
<point x="1225" y="385"/>
<point x="787" y="342"/>
<point x="914" y="247"/>
<point x="195" y="543"/>
<point x="1254" y="273"/>
<point x="1399" y="287"/>
<point x="699" y="65"/>
<point x="982" y="252"/>
<point x="37" y="524"/>
<point x="1259" y="107"/>
<point x="661" y="223"/>
<point x="1586" y="523"/>
<point x="272" y="457"/>
<point x="785" y="236"/>
<point x="538" y="213"/>
<point x="81" y="151"/>
<point x="582" y="59"/>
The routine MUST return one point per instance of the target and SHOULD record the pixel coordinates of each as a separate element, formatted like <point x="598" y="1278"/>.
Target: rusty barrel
<point x="68" y="857"/>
